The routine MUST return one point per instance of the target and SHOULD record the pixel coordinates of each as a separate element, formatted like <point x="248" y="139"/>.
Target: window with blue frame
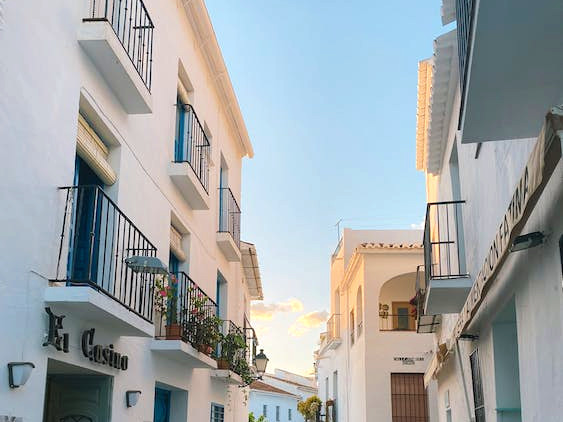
<point x="277" y="413"/>
<point x="265" y="410"/>
<point x="288" y="414"/>
<point x="181" y="144"/>
<point x="173" y="264"/>
<point x="217" y="413"/>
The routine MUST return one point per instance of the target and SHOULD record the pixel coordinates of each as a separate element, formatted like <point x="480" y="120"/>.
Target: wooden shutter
<point x="408" y="398"/>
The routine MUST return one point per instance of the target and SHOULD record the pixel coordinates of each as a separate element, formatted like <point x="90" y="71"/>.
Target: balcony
<point x="446" y="279"/>
<point x="117" y="35"/>
<point x="251" y="342"/>
<point x="96" y="239"/>
<point x="397" y="322"/>
<point x="333" y="339"/>
<point x="228" y="235"/>
<point x="510" y="77"/>
<point x="231" y="354"/>
<point x="424" y="323"/>
<point x="186" y="323"/>
<point x="190" y="169"/>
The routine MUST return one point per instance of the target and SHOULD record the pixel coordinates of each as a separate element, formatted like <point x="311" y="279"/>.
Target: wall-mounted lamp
<point x="146" y="265"/>
<point x="19" y="373"/>
<point x="132" y="397"/>
<point x="261" y="362"/>
<point x="527" y="241"/>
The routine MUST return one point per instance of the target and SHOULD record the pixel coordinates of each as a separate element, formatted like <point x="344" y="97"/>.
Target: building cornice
<point x="198" y="18"/>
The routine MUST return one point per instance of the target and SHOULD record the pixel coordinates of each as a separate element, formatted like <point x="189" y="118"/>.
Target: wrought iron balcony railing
<point x="192" y="145"/>
<point x="133" y="26"/>
<point x="464" y="16"/>
<point x="186" y="314"/>
<point x="397" y="322"/>
<point x="333" y="328"/>
<point x="229" y="214"/>
<point x="251" y="342"/>
<point x="96" y="239"/>
<point x="444" y="254"/>
<point x="228" y="327"/>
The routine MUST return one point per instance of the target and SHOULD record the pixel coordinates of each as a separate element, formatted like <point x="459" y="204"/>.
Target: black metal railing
<point x="397" y="322"/>
<point x="420" y="289"/>
<point x="251" y="342"/>
<point x="96" y="239"/>
<point x="229" y="214"/>
<point x="187" y="313"/>
<point x="444" y="253"/>
<point x="193" y="146"/>
<point x="464" y="17"/>
<point x="134" y="29"/>
<point x="229" y="327"/>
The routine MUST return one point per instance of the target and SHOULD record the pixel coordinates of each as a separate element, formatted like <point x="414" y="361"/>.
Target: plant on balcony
<point x="233" y="346"/>
<point x="207" y="334"/>
<point x="242" y="368"/>
<point x="166" y="302"/>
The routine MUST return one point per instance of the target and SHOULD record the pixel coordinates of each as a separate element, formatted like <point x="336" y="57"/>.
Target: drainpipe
<point x="469" y="415"/>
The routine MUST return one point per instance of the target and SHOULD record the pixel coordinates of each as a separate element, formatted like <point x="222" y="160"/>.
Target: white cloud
<point x="266" y="311"/>
<point x="306" y="322"/>
<point x="419" y="226"/>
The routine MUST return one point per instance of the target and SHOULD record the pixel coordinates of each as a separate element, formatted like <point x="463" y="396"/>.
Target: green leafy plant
<point x="207" y="331"/>
<point x="233" y="346"/>
<point x="241" y="367"/>
<point x="309" y="408"/>
<point x="252" y="418"/>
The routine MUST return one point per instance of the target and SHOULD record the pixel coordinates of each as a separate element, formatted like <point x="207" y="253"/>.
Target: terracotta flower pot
<point x="223" y="364"/>
<point x="174" y="332"/>
<point x="205" y="348"/>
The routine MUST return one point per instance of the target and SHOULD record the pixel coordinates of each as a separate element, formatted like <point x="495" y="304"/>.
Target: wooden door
<point x="408" y="398"/>
<point x="403" y="316"/>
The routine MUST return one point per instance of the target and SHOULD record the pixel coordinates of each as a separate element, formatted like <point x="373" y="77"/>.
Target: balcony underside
<point x="227" y="376"/>
<point x="514" y="73"/>
<point x="189" y="185"/>
<point x="183" y="353"/>
<point x="228" y="246"/>
<point x="100" y="43"/>
<point x="88" y="304"/>
<point x="446" y="296"/>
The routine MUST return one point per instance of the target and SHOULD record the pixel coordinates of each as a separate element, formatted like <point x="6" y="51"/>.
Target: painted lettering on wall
<point x="58" y="340"/>
<point x="104" y="355"/>
<point x="529" y="182"/>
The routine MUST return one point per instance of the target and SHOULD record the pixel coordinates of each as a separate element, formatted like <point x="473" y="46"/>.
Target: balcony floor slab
<point x="228" y="246"/>
<point x="86" y="303"/>
<point x="228" y="376"/>
<point x="184" y="353"/>
<point x="188" y="184"/>
<point x="447" y="296"/>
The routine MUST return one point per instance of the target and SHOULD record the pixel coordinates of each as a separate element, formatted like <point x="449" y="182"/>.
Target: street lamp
<point x="261" y="361"/>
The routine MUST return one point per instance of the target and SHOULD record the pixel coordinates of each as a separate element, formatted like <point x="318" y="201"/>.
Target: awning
<point x="251" y="270"/>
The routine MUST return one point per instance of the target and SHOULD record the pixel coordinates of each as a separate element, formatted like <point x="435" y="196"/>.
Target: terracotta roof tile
<point x="262" y="386"/>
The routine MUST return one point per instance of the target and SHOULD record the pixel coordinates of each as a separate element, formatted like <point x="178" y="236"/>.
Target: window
<point x="478" y="398"/>
<point x="448" y="407"/>
<point x="217" y="413"/>
<point x="277" y="413"/>
<point x="326" y="389"/>
<point x="360" y="307"/>
<point x="352" y="325"/>
<point x="409" y="401"/>
<point x="288" y="414"/>
<point x="265" y="410"/>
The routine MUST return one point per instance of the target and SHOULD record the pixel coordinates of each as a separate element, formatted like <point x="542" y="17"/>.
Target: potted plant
<point x="207" y="334"/>
<point x="242" y="368"/>
<point x="167" y="303"/>
<point x="233" y="346"/>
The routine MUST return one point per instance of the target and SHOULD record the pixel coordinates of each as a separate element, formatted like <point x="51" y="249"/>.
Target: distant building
<point x="275" y="390"/>
<point x="275" y="404"/>
<point x="370" y="364"/>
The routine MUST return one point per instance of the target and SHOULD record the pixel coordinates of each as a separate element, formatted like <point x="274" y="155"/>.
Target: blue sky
<point x="328" y="92"/>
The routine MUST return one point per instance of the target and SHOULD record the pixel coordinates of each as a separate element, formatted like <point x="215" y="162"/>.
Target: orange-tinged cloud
<point x="306" y="322"/>
<point x="266" y="311"/>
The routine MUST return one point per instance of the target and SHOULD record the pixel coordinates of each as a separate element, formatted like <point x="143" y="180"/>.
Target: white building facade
<point x="371" y="362"/>
<point x="122" y="141"/>
<point x="273" y="403"/>
<point x="489" y="142"/>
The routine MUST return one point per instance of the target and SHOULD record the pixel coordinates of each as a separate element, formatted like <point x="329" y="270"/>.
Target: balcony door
<point x="162" y="405"/>
<point x="85" y="230"/>
<point x="409" y="400"/>
<point x="402" y="316"/>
